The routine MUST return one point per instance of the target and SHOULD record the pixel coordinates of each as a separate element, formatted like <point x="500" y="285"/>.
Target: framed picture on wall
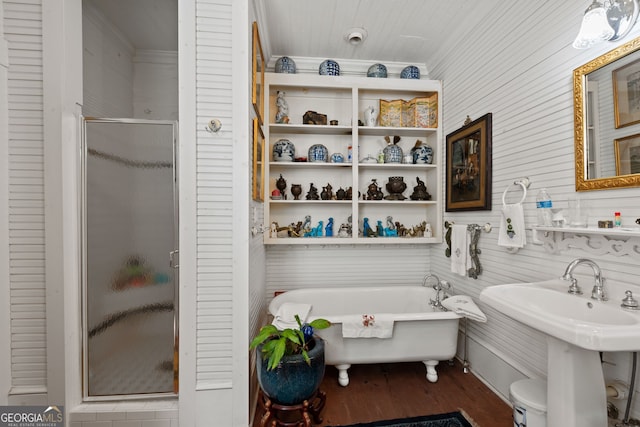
<point x="627" y="152"/>
<point x="257" y="86"/>
<point x="468" y="166"/>
<point x="626" y="94"/>
<point x="258" y="161"/>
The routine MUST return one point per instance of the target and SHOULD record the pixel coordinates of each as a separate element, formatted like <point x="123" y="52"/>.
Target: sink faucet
<point x="598" y="289"/>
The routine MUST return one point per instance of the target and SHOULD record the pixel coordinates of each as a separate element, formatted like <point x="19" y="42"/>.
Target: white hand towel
<point x="367" y="326"/>
<point x="512" y="232"/>
<point x="459" y="249"/>
<point x="285" y="317"/>
<point x="464" y="306"/>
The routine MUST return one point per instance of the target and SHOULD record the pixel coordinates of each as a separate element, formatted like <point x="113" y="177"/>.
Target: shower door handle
<point x="172" y="259"/>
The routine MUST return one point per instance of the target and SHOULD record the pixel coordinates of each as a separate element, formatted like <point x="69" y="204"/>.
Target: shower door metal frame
<point x="171" y="257"/>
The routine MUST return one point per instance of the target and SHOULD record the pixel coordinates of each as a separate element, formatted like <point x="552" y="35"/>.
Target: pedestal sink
<point x="577" y="329"/>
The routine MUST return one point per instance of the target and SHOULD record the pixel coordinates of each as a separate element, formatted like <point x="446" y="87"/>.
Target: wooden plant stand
<point x="298" y="415"/>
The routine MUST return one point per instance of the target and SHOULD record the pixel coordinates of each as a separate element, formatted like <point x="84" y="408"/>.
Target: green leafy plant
<point x="279" y="343"/>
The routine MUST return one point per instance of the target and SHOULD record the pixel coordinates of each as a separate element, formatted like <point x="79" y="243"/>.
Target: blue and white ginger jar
<point x="392" y="153"/>
<point x="329" y="67"/>
<point x="285" y="65"/>
<point x="318" y="153"/>
<point x="377" y="70"/>
<point x="283" y="151"/>
<point x="422" y="154"/>
<point x="337" y="158"/>
<point x="410" y="72"/>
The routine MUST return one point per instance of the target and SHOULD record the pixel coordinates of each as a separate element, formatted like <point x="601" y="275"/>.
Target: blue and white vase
<point x="285" y="65"/>
<point x="318" y="153"/>
<point x="410" y="72"/>
<point x="393" y="153"/>
<point x="283" y="151"/>
<point x="337" y="158"/>
<point x="422" y="155"/>
<point x="377" y="70"/>
<point x="329" y="67"/>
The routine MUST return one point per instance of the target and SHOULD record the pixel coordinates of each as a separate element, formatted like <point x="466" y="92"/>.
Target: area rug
<point x="452" y="419"/>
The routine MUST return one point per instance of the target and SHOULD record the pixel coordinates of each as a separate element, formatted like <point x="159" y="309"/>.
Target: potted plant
<point x="290" y="362"/>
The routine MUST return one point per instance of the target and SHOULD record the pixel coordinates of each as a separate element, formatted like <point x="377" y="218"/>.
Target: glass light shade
<point x="595" y="27"/>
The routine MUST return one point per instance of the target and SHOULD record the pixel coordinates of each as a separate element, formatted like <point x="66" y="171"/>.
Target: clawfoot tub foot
<point x="343" y="376"/>
<point x="432" y="375"/>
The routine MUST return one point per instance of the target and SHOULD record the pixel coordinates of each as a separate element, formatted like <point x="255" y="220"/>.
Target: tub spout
<point x="439" y="286"/>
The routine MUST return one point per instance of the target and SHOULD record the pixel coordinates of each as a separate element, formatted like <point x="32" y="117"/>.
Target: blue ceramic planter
<point x="293" y="381"/>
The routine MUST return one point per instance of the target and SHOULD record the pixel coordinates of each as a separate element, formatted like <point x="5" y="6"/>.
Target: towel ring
<point x="520" y="183"/>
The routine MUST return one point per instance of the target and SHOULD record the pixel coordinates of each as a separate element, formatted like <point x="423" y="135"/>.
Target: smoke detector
<point x="355" y="36"/>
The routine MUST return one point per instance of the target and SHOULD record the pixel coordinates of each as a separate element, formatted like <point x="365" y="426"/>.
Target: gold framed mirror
<point x="606" y="104"/>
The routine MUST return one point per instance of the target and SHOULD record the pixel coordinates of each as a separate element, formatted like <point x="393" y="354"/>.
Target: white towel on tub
<point x="464" y="306"/>
<point x="367" y="326"/>
<point x="285" y="317"/>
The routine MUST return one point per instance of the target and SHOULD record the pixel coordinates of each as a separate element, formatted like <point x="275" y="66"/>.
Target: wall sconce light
<point x="610" y="21"/>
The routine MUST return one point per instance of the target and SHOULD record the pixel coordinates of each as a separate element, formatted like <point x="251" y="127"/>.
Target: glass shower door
<point x="129" y="235"/>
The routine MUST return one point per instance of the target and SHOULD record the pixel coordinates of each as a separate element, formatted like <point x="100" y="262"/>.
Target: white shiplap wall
<point x="521" y="71"/>
<point x="214" y="194"/>
<point x="22" y="31"/>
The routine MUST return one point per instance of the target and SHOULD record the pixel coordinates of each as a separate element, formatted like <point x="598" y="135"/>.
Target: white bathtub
<point x="420" y="333"/>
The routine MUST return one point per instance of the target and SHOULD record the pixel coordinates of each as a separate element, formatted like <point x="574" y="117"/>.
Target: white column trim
<point x="5" y="309"/>
<point x="187" y="169"/>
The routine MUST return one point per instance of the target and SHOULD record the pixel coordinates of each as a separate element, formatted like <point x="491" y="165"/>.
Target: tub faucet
<point x="597" y="292"/>
<point x="439" y="286"/>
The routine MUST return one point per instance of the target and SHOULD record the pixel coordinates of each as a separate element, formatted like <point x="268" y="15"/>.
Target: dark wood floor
<point x="399" y="390"/>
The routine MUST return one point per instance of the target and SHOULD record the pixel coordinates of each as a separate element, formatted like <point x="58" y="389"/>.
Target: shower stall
<point x="129" y="233"/>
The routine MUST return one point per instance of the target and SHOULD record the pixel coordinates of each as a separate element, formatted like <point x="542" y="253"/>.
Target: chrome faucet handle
<point x="629" y="302"/>
<point x="597" y="293"/>
<point x="574" y="289"/>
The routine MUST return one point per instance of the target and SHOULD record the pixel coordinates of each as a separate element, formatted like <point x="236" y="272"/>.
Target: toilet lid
<point x="530" y="392"/>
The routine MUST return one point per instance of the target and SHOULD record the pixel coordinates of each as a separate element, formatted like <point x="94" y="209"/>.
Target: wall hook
<point x="213" y="126"/>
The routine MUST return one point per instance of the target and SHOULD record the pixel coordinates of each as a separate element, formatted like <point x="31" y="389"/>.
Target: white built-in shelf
<point x="309" y="129"/>
<point x="387" y="130"/>
<point x="345" y="99"/>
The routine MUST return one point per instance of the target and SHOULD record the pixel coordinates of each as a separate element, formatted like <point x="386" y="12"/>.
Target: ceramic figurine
<point x="344" y="231"/>
<point x="306" y="225"/>
<point x="327" y="193"/>
<point x="282" y="116"/>
<point x="367" y="231"/>
<point x="390" y="230"/>
<point x="374" y="192"/>
<point x="328" y="230"/>
<point x="370" y="116"/>
<point x="420" y="191"/>
<point x="281" y="184"/>
<point x="393" y="152"/>
<point x="313" y="193"/>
